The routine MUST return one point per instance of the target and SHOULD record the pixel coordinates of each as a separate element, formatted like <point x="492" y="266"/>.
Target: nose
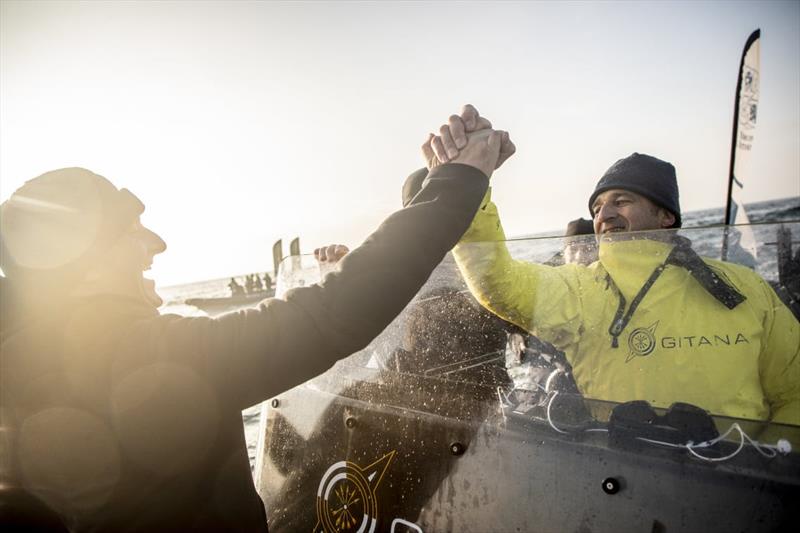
<point x="606" y="212"/>
<point x="155" y="244"/>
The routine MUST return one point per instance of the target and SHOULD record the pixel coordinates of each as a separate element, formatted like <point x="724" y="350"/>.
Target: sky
<point x="239" y="123"/>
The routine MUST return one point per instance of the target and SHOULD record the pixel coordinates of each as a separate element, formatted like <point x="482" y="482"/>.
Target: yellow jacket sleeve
<point x="538" y="298"/>
<point x="780" y="361"/>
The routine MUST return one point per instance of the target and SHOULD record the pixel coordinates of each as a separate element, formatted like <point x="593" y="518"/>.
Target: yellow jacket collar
<point x="630" y="262"/>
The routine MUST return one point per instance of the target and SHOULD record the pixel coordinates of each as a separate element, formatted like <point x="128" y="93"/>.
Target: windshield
<point x="461" y="371"/>
<point x="635" y="298"/>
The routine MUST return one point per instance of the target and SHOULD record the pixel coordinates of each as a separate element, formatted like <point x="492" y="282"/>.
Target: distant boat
<point x="217" y="306"/>
<point x="225" y="304"/>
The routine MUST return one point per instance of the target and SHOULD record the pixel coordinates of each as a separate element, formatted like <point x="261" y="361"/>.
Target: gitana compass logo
<point x="346" y="497"/>
<point x="642" y="342"/>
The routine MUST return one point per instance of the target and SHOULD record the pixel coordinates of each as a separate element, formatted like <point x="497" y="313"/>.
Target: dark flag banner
<point x="745" y="114"/>
<point x="277" y="256"/>
<point x="294" y="253"/>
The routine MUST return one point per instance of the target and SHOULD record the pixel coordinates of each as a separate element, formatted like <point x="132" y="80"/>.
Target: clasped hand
<point x="469" y="139"/>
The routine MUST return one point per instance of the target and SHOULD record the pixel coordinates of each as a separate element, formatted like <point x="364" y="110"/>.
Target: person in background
<point x="236" y="288"/>
<point x="117" y="418"/>
<point x="650" y="320"/>
<point x="580" y="250"/>
<point x="267" y="282"/>
<point x="577" y="248"/>
<point x="248" y="284"/>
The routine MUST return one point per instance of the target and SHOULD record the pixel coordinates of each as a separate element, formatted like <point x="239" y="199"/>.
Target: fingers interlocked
<point x="454" y="137"/>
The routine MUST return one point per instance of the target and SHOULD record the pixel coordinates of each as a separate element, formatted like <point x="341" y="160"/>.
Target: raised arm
<point x="535" y="297"/>
<point x="261" y="352"/>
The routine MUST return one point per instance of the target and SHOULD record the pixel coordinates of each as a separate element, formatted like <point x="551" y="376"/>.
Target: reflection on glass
<point x="535" y="376"/>
<point x="657" y="317"/>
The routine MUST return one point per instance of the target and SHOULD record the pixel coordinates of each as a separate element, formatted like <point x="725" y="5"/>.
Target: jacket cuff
<point x="419" y="180"/>
<point x="455" y="170"/>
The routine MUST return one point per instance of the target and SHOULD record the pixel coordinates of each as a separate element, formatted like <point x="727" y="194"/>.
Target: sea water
<point x="782" y="210"/>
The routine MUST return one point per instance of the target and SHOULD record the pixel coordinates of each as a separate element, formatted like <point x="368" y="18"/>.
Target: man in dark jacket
<point x="120" y="419"/>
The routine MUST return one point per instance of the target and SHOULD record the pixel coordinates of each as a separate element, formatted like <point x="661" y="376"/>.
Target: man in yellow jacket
<point x="650" y="320"/>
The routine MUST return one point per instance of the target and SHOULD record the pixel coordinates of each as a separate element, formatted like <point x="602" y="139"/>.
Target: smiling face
<point x="618" y="210"/>
<point x="121" y="269"/>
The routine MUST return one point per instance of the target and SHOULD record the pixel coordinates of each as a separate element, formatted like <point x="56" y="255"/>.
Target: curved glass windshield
<point x="609" y="355"/>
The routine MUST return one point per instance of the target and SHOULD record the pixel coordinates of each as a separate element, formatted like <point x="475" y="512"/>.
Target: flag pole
<point x="738" y="139"/>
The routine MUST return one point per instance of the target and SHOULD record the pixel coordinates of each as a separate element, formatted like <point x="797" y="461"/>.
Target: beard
<point x="148" y="292"/>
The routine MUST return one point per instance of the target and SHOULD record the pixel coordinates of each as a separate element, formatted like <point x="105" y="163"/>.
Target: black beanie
<point x="579" y="226"/>
<point x="646" y="175"/>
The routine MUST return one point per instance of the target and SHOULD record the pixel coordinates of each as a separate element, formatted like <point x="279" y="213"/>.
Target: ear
<point x="667" y="218"/>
